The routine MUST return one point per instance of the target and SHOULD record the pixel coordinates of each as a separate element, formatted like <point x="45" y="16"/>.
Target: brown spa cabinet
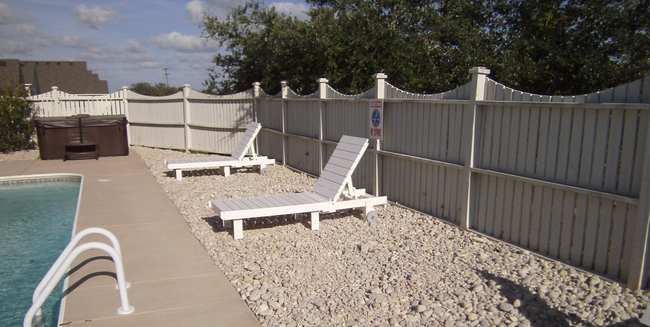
<point x="81" y="137"/>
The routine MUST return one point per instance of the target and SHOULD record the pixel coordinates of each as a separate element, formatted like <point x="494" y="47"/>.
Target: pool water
<point x="36" y="220"/>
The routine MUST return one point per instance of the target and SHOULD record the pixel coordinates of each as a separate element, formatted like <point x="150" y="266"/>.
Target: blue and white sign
<point x="376" y="119"/>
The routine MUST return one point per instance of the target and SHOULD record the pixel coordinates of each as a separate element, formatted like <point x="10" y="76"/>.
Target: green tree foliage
<point x="550" y="47"/>
<point x="159" y="89"/>
<point x="16" y="129"/>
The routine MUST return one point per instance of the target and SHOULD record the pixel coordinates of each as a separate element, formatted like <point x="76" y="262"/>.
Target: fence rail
<point x="564" y="176"/>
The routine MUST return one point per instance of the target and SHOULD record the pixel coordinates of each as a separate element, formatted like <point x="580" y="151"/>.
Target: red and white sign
<point x="376" y="119"/>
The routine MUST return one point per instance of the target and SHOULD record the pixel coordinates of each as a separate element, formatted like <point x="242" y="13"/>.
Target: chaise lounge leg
<point x="315" y="223"/>
<point x="226" y="223"/>
<point x="371" y="214"/>
<point x="238" y="229"/>
<point x="262" y="167"/>
<point x="226" y="171"/>
<point x="179" y="174"/>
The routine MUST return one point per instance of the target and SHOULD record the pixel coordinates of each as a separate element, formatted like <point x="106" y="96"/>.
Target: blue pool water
<point x="36" y="221"/>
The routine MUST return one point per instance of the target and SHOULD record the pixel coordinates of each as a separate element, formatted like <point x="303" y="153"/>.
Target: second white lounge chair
<point x="333" y="191"/>
<point x="237" y="159"/>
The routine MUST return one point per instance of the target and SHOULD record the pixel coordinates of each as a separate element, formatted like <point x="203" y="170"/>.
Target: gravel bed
<point x="408" y="269"/>
<point x="19" y="155"/>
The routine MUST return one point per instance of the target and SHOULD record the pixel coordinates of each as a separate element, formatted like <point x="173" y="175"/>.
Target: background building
<point x="70" y="76"/>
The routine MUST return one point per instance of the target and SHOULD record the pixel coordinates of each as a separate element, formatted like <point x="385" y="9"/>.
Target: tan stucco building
<point x="70" y="76"/>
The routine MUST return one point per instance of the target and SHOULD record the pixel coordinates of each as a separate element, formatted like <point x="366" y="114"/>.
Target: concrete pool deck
<point x="173" y="280"/>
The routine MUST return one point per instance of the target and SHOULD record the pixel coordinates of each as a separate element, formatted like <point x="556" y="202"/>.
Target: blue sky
<point x="123" y="41"/>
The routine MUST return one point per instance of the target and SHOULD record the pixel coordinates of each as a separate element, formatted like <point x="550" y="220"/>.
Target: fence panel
<point x="589" y="230"/>
<point x="269" y="113"/>
<point x="58" y="103"/>
<point x="345" y="117"/>
<point x="303" y="154"/>
<point x="158" y="136"/>
<point x="592" y="147"/>
<point x="302" y="117"/>
<point x="216" y="125"/>
<point x="427" y="130"/>
<point x="270" y="144"/>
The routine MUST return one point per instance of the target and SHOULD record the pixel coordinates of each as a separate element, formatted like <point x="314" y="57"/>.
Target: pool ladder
<point x="34" y="316"/>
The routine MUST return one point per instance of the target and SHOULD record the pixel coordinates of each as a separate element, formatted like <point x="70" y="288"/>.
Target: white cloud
<point x="25" y="29"/>
<point x="73" y="41"/>
<point x="134" y="46"/>
<point x="93" y="16"/>
<point x="5" y="13"/>
<point x="220" y="8"/>
<point x="184" y="42"/>
<point x="298" y="10"/>
<point x="196" y="10"/>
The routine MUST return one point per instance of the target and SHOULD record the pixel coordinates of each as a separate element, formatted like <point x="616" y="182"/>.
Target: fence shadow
<point x="533" y="307"/>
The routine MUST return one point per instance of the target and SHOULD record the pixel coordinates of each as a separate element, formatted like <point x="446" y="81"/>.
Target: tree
<point x="550" y="47"/>
<point x="159" y="89"/>
<point x="16" y="116"/>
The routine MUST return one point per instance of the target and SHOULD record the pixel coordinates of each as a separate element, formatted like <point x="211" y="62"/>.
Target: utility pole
<point x="166" y="74"/>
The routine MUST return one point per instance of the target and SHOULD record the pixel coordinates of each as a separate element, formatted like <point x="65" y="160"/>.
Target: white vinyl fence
<point x="186" y="120"/>
<point x="58" y="103"/>
<point x="564" y="176"/>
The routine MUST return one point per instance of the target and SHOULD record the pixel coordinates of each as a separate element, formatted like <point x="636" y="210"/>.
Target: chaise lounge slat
<point x="333" y="191"/>
<point x="236" y="159"/>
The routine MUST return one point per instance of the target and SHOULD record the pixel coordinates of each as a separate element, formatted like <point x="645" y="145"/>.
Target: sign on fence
<point x="376" y="119"/>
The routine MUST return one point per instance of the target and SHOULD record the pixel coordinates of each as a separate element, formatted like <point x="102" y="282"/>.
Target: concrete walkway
<point x="173" y="280"/>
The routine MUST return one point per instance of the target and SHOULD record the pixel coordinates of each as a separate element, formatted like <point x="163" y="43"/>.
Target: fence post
<point x="125" y="105"/>
<point x="186" y="116"/>
<point x="322" y="94"/>
<point x="284" y="93"/>
<point x="256" y="95"/>
<point x="479" y="75"/>
<point x="28" y="89"/>
<point x="380" y="94"/>
<point x="55" y="101"/>
<point x="637" y="266"/>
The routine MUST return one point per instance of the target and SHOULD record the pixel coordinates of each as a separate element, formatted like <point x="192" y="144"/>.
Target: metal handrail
<point x="60" y="267"/>
<point x="75" y="240"/>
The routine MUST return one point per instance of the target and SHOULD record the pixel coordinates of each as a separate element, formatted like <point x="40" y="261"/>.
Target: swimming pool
<point x="36" y="220"/>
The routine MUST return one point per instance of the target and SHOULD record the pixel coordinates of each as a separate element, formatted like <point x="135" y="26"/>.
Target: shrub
<point x="16" y="128"/>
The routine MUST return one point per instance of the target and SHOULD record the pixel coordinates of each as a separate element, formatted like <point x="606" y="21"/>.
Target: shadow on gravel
<point x="211" y="172"/>
<point x="628" y="323"/>
<point x="217" y="225"/>
<point x="533" y="307"/>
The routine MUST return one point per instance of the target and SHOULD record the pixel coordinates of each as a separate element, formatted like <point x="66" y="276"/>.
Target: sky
<point x="124" y="41"/>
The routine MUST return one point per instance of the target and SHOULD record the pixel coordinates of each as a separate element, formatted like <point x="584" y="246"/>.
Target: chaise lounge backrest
<point x="246" y="140"/>
<point x="340" y="166"/>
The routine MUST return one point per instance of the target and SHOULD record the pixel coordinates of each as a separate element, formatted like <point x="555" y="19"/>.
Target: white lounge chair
<point x="237" y="159"/>
<point x="333" y="191"/>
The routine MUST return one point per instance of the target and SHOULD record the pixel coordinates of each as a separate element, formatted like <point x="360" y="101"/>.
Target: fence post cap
<point x="187" y="86"/>
<point x="257" y="84"/>
<point x="380" y="76"/>
<point x="322" y="80"/>
<point x="55" y="88"/>
<point x="28" y="84"/>
<point x="284" y="83"/>
<point x="124" y="87"/>
<point x="479" y="70"/>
